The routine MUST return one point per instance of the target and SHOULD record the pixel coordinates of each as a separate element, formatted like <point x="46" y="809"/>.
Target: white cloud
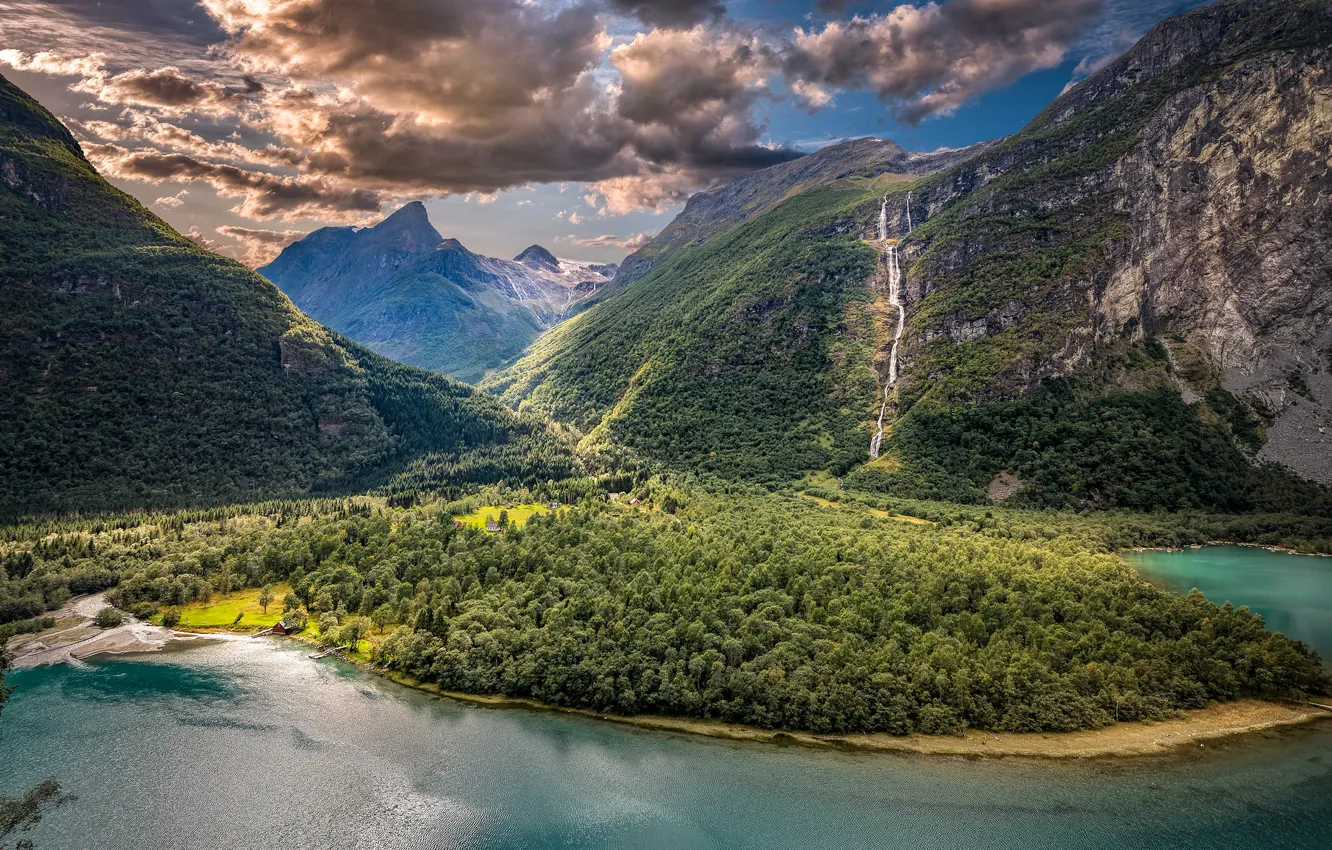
<point x="173" y="200"/>
<point x="627" y="243"/>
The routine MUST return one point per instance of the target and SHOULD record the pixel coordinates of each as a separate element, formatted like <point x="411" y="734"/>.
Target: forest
<point x="1075" y="446"/>
<point x="748" y="607"/>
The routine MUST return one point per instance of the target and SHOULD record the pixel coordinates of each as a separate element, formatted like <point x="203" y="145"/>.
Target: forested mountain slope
<point x="138" y="369"/>
<point x="747" y="356"/>
<point x="1124" y="304"/>
<point x="403" y="290"/>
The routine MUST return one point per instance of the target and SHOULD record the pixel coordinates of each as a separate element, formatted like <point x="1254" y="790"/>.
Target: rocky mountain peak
<point x="536" y="257"/>
<point x="410" y="225"/>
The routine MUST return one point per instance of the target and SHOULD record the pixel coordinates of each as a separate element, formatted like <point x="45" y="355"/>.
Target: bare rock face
<point x="1229" y="196"/>
<point x="1230" y="202"/>
<point x="1183" y="193"/>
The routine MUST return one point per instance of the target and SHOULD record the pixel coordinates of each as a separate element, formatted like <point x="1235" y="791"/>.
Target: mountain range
<point x="1124" y="304"/>
<point x="404" y="291"/>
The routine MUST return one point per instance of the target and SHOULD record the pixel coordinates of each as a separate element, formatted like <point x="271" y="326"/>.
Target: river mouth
<point x="252" y="744"/>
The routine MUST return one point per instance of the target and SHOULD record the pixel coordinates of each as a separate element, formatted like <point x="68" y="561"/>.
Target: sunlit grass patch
<point x="221" y="610"/>
<point x="882" y="514"/>
<point x="518" y="515"/>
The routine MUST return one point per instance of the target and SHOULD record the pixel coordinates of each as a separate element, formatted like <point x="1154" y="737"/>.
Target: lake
<point x="250" y="744"/>
<point x="1292" y="592"/>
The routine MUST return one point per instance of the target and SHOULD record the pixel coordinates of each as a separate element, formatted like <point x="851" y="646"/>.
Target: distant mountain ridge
<point x="744" y="196"/>
<point x="408" y="293"/>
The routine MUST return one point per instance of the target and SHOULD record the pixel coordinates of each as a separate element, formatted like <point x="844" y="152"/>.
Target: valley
<point x="1017" y="449"/>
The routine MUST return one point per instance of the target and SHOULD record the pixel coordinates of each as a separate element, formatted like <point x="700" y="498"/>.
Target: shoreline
<point x="1284" y="550"/>
<point x="1130" y="739"/>
<point x="76" y="637"/>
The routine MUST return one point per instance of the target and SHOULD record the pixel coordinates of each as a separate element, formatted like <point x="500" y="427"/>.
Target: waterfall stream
<point x="890" y="259"/>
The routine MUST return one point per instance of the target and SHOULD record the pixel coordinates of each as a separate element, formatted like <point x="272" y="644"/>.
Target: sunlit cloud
<point x="328" y="109"/>
<point x="931" y="59"/>
<point x="256" y="247"/>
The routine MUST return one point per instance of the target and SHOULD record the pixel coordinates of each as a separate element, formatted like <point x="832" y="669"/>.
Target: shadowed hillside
<point x="139" y="369"/>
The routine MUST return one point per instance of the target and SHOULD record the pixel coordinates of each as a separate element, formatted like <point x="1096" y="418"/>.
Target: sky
<point x="580" y="125"/>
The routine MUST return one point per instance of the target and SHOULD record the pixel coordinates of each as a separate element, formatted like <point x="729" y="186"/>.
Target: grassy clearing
<point x="220" y="612"/>
<point x="518" y="515"/>
<point x="914" y="520"/>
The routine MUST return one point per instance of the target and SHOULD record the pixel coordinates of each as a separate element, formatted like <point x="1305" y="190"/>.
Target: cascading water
<point x="890" y="259"/>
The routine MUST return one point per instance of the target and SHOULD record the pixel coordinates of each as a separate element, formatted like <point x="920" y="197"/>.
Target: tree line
<point x="748" y="607"/>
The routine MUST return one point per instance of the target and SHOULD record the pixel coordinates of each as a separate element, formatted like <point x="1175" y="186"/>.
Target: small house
<point x="554" y="506"/>
<point x="457" y="523"/>
<point x="635" y="501"/>
<point x="614" y="497"/>
<point x="281" y="628"/>
<point x="492" y="525"/>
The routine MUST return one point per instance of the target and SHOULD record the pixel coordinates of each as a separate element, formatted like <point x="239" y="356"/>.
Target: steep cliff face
<point x="1229" y="198"/>
<point x="1180" y="198"/>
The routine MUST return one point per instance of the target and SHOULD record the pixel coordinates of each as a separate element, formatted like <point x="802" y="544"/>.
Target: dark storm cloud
<point x="360" y="102"/>
<point x="262" y="195"/>
<point x="170" y="89"/>
<point x="467" y="60"/>
<point x="178" y="19"/>
<point x="672" y="14"/>
<point x="479" y="96"/>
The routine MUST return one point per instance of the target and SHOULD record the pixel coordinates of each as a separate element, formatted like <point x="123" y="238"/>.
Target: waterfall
<point x="895" y="298"/>
<point x="891" y="261"/>
<point x="908" y="211"/>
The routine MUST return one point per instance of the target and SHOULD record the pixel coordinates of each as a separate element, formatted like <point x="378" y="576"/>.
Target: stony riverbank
<point x="76" y="637"/>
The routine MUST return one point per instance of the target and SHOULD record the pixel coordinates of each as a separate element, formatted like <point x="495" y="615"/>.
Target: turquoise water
<point x="253" y="745"/>
<point x="1292" y="592"/>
